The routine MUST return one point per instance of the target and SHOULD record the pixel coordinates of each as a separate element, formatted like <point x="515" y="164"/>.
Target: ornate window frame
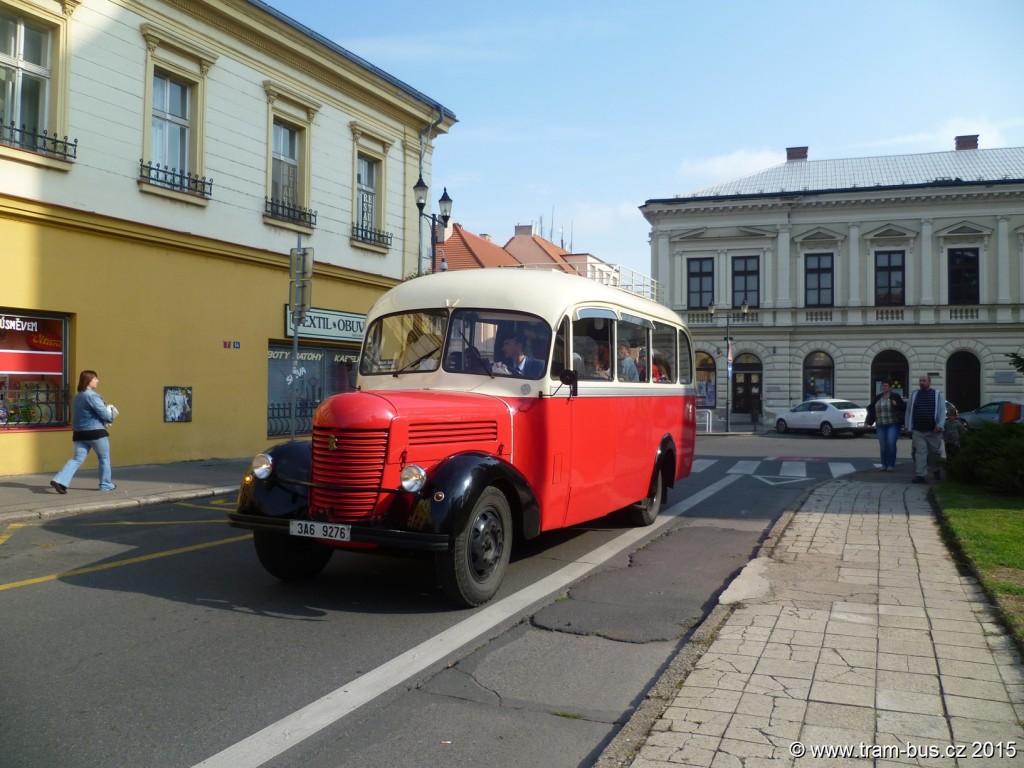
<point x="187" y="62"/>
<point x="296" y="110"/>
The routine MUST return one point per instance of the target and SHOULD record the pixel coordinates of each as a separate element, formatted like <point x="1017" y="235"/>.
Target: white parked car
<point x="825" y="416"/>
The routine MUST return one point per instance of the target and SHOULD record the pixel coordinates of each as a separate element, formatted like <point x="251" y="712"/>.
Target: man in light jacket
<point x="926" y="413"/>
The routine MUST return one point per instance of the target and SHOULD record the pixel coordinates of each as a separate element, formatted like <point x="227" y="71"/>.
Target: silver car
<point x="825" y="416"/>
<point x="987" y="414"/>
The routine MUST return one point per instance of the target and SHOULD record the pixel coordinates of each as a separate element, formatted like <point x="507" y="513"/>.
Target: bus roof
<point x="545" y="293"/>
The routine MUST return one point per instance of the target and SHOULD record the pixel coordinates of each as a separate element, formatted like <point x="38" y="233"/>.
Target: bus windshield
<point x="481" y="342"/>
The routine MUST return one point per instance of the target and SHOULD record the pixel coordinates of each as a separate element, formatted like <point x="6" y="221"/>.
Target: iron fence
<point x="279" y="418"/>
<point x="32" y="408"/>
<point x="172" y="178"/>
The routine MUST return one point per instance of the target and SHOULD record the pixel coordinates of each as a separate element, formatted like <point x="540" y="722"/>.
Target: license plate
<point x="313" y="530"/>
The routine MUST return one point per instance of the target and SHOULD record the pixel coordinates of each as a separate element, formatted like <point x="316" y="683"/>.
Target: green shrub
<point x="991" y="456"/>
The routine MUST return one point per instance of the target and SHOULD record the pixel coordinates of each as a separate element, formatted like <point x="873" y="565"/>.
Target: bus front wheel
<point x="471" y="570"/>
<point x="646" y="511"/>
<point x="290" y="558"/>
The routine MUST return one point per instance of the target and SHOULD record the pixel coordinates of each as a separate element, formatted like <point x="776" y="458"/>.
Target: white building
<point x="159" y="159"/>
<point x="852" y="271"/>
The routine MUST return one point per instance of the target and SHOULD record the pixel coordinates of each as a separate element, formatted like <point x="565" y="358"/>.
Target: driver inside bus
<point x="519" y="363"/>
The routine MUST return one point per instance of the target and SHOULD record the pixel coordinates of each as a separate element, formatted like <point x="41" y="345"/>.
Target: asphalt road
<point x="154" y="638"/>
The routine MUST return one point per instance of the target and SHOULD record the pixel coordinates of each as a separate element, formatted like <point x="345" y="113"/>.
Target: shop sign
<point x="327" y="324"/>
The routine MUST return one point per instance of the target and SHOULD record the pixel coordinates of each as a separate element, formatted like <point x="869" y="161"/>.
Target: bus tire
<point x="290" y="558"/>
<point x="646" y="511"/>
<point x="472" y="569"/>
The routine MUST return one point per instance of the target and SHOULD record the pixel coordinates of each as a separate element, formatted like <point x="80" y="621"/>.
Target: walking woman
<point x="89" y="420"/>
<point x="886" y="413"/>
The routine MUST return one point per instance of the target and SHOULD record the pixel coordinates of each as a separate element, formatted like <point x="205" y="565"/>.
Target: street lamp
<point x="444" y="204"/>
<point x="744" y="308"/>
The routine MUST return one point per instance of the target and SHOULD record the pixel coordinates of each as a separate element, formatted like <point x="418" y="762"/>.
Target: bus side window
<point x="559" y="361"/>
<point x="663" y="354"/>
<point x="592" y="340"/>
<point x="685" y="358"/>
<point x="630" y="351"/>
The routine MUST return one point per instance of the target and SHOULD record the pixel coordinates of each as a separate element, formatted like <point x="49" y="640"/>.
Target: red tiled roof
<point x="465" y="250"/>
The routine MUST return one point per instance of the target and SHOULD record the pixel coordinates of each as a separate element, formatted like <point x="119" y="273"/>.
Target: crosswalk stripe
<point x="840" y="468"/>
<point x="793" y="469"/>
<point x="743" y="468"/>
<point x="699" y="465"/>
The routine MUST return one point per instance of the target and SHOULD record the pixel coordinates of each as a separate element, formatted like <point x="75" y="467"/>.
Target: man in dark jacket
<point x="926" y="412"/>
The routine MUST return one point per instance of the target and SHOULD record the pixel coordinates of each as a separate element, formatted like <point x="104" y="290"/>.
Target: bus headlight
<point x="413" y="477"/>
<point x="262" y="466"/>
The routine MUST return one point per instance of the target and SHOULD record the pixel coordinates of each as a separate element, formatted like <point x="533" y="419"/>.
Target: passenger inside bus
<point x="517" y="362"/>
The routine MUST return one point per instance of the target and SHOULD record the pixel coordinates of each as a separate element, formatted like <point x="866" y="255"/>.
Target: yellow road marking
<point x="119" y="563"/>
<point x="10" y="529"/>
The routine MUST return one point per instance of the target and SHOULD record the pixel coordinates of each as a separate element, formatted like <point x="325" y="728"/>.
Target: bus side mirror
<point x="569" y="377"/>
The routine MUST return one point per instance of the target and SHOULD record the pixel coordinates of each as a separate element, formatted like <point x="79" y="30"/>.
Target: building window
<point x="172" y="143"/>
<point x="700" y="282"/>
<point x="319" y="373"/>
<point x="33" y="366"/>
<point x="370" y="150"/>
<point x="963" y="276"/>
<point x="284" y="180"/>
<point x="819" y="375"/>
<point x="889" y="278"/>
<point x="746" y="281"/>
<point x="289" y="135"/>
<point x="366" y="227"/>
<point x="818" y="277"/>
<point x="30" y="100"/>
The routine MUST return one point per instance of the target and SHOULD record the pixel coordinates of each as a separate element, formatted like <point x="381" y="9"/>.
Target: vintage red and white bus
<point x="490" y="404"/>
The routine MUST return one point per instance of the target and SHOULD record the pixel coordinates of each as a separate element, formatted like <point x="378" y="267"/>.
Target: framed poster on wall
<point x="177" y="404"/>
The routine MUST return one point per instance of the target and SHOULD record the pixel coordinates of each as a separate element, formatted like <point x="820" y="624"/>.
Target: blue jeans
<point x="102" y="448"/>
<point x="888" y="435"/>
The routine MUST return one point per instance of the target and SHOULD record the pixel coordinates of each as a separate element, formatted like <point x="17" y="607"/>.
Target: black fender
<point x="286" y="492"/>
<point x="665" y="459"/>
<point x="455" y="484"/>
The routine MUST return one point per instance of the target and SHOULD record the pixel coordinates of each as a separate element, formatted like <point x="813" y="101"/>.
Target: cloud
<point x="992" y="134"/>
<point x="712" y="170"/>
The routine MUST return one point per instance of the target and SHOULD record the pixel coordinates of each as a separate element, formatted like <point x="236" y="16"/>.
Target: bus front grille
<point x="350" y="463"/>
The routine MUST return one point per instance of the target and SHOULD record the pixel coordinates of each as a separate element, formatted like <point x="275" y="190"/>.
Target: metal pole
<point x="728" y="373"/>
<point x="433" y="243"/>
<point x="295" y="346"/>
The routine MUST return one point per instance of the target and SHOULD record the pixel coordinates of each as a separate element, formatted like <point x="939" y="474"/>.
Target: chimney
<point x="967" y="142"/>
<point x="485" y="236"/>
<point x="796" y="153"/>
<point x="524" y="229"/>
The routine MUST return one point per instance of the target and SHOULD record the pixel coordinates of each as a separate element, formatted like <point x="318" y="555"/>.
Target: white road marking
<point x="300" y="725"/>
<point x="840" y="468"/>
<point x="793" y="469"/>
<point x="743" y="467"/>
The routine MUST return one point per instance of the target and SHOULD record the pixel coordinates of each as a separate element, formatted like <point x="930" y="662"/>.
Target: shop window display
<point x="33" y="387"/>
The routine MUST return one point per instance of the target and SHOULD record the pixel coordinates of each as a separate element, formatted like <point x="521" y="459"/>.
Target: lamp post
<point x="744" y="308"/>
<point x="445" y="205"/>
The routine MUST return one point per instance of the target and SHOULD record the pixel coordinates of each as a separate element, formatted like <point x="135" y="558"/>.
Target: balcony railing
<point x="371" y="236"/>
<point x="279" y="209"/>
<point x="44" y="143"/>
<point x="172" y="178"/>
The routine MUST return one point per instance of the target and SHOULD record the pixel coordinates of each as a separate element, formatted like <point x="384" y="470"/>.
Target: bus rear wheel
<point x="471" y="571"/>
<point x="290" y="558"/>
<point x="646" y="511"/>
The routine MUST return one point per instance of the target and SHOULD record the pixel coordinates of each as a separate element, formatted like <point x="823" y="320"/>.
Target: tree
<point x="1016" y="360"/>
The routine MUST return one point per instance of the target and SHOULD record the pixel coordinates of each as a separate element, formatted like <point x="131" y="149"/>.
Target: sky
<point x="572" y="114"/>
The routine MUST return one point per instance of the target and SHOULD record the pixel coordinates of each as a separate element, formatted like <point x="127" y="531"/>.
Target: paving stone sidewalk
<point x="855" y="632"/>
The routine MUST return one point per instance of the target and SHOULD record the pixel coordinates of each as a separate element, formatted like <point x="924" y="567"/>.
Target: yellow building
<point x="159" y="160"/>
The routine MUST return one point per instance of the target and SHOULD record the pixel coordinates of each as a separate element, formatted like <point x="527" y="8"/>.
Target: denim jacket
<point x="89" y="413"/>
